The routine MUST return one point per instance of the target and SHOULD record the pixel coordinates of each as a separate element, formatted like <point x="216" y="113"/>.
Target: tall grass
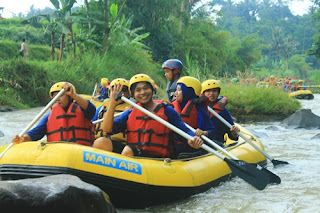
<point x="252" y="100"/>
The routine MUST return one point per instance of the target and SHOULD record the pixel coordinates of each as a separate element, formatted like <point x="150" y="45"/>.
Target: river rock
<point x="1" y="134"/>
<point x="302" y="118"/>
<point x="272" y="128"/>
<point x="316" y="137"/>
<point x="56" y="193"/>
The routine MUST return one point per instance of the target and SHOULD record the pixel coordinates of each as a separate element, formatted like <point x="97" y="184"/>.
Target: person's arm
<point x="87" y="107"/>
<point x="174" y="119"/>
<point x="205" y="125"/>
<point x="120" y="123"/>
<point x="96" y="115"/>
<point x="233" y="132"/>
<point x="108" y="117"/>
<point x="34" y="134"/>
<point x="82" y="102"/>
<point x="90" y="112"/>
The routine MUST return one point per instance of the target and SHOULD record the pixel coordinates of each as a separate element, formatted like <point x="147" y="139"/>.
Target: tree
<point x="299" y="65"/>
<point x="250" y="49"/>
<point x="63" y="19"/>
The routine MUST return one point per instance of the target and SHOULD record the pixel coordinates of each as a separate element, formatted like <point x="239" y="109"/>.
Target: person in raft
<point x="69" y="119"/>
<point x="192" y="111"/>
<point x="173" y="70"/>
<point x="211" y="89"/>
<point x="119" y="140"/>
<point x="146" y="137"/>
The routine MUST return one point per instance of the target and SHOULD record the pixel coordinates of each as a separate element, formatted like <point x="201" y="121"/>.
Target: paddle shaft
<point x="213" y="143"/>
<point x="35" y="119"/>
<point x="100" y="120"/>
<point x="240" y="134"/>
<point x="94" y="91"/>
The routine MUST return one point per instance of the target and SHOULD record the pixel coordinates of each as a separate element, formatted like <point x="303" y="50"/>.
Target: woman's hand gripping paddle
<point x="274" y="179"/>
<point x="35" y="119"/>
<point x="247" y="172"/>
<point x="274" y="162"/>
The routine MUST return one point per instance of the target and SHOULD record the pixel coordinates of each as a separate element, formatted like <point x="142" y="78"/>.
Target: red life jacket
<point x="69" y="126"/>
<point x="149" y="134"/>
<point x="218" y="106"/>
<point x="189" y="114"/>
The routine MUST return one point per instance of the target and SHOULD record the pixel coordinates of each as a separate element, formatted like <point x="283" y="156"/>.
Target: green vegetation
<point x="113" y="38"/>
<point x="259" y="101"/>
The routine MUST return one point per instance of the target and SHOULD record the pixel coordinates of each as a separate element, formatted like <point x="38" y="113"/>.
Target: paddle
<point x="100" y="120"/>
<point x="247" y="172"/>
<point x="274" y="162"/>
<point x="35" y="119"/>
<point x="94" y="91"/>
<point x="273" y="177"/>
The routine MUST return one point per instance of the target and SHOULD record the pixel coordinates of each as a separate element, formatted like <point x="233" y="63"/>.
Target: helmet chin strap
<point x="173" y="76"/>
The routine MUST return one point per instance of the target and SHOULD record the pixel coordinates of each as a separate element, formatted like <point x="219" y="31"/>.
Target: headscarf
<point x="187" y="95"/>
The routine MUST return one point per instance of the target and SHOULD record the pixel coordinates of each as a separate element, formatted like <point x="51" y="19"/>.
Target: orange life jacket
<point x="149" y="134"/>
<point x="218" y="106"/>
<point x="70" y="126"/>
<point x="189" y="114"/>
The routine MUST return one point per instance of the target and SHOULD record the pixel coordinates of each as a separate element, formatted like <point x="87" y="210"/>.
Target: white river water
<point x="298" y="192"/>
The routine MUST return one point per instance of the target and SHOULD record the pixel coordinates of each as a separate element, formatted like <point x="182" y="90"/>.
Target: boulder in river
<point x="56" y="193"/>
<point x="302" y="118"/>
<point x="272" y="128"/>
<point x="1" y="134"/>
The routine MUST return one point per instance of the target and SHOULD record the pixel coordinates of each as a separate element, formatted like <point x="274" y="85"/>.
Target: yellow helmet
<point x="300" y="81"/>
<point x="209" y="84"/>
<point x="121" y="81"/>
<point x="139" y="78"/>
<point x="58" y="87"/>
<point x="191" y="82"/>
<point x="104" y="82"/>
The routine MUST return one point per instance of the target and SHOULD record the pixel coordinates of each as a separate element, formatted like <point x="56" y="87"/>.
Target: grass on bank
<point x="250" y="100"/>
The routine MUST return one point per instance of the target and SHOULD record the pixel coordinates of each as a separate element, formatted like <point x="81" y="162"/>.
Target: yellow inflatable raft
<point x="95" y="102"/>
<point x="302" y="94"/>
<point x="131" y="182"/>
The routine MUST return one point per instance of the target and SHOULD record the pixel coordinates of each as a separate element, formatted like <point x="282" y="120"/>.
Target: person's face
<point x="168" y="74"/>
<point x="178" y="94"/>
<point x="212" y="94"/>
<point x="143" y="92"/>
<point x="63" y="100"/>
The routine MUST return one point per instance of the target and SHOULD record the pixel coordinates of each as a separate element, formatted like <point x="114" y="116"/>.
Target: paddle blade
<point x="274" y="179"/>
<point x="248" y="173"/>
<point x="278" y="162"/>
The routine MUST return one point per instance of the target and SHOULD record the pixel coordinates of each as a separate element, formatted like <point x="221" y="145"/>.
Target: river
<point x="298" y="192"/>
